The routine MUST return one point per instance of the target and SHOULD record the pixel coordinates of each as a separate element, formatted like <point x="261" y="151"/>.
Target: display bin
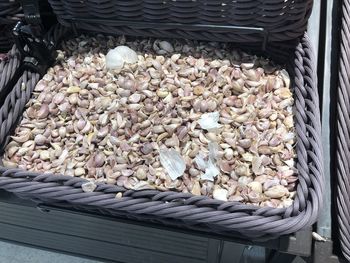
<point x="185" y="210"/>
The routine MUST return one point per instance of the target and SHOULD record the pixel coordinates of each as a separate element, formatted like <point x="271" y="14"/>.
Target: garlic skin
<point x="127" y="54"/>
<point x="116" y="57"/>
<point x="88" y="187"/>
<point x="173" y="163"/>
<point x="114" y="60"/>
<point x="220" y="194"/>
<point x="209" y="121"/>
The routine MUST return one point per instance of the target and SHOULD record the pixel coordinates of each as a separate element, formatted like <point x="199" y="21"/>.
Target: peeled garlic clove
<point x="141" y="173"/>
<point x="12" y="150"/>
<point x="73" y="89"/>
<point x="44" y="155"/>
<point x="9" y="164"/>
<point x="173" y="163"/>
<point x="256" y="186"/>
<point x="62" y="132"/>
<point x="220" y="194"/>
<point x="277" y="191"/>
<point x="196" y="189"/>
<point x="248" y="157"/>
<point x="79" y="171"/>
<point x="88" y="187"/>
<point x="242" y="169"/>
<point x="22" y="151"/>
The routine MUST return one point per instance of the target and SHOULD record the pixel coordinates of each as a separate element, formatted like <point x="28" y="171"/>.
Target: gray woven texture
<point x="186" y="210"/>
<point x="284" y="19"/>
<point x="8" y="64"/>
<point x="343" y="134"/>
<point x="10" y="13"/>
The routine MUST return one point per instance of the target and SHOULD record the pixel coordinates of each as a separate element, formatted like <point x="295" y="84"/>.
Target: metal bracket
<point x="37" y="53"/>
<point x="323" y="252"/>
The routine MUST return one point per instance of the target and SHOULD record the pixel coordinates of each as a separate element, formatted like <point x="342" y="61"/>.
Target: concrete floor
<point x="10" y="253"/>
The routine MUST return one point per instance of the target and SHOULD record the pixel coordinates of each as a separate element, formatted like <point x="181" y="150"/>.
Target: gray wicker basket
<point x="191" y="19"/>
<point x="343" y="133"/>
<point x="185" y="210"/>
<point x="9" y="62"/>
<point x="10" y="13"/>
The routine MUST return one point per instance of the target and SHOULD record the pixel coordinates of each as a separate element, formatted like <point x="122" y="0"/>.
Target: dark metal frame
<point x="25" y="222"/>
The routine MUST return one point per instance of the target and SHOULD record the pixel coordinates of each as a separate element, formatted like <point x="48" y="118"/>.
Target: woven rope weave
<point x="8" y="65"/>
<point x="343" y="135"/>
<point x="186" y="210"/>
<point x="283" y="19"/>
<point x="10" y="13"/>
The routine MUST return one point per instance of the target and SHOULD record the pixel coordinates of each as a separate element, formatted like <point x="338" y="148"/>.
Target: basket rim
<point x="284" y="20"/>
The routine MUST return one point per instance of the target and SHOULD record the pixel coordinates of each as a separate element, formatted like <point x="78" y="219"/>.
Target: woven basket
<point x="8" y="64"/>
<point x="185" y="210"/>
<point x="343" y="135"/>
<point x="281" y="19"/>
<point x="10" y="13"/>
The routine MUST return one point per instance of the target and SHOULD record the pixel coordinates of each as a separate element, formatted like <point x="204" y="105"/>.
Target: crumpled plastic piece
<point x="210" y="121"/>
<point x="172" y="162"/>
<point x="116" y="57"/>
